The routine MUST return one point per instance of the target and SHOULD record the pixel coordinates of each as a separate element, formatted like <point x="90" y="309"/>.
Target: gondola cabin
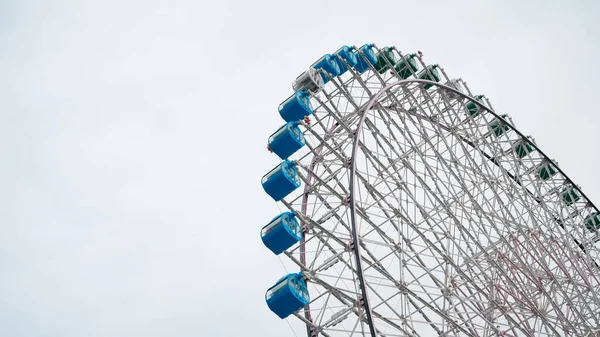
<point x="547" y="170"/>
<point x="454" y="84"/>
<point x="288" y="295"/>
<point x="348" y="55"/>
<point x="329" y="65"/>
<point x="296" y="107"/>
<point x="522" y="148"/>
<point x="592" y="222"/>
<point x="406" y="67"/>
<point x="430" y="74"/>
<point x="281" y="233"/>
<point x="472" y="108"/>
<point x="366" y="57"/>
<point x="287" y="140"/>
<point x="498" y="127"/>
<point x="281" y="181"/>
<point x="309" y="80"/>
<point x="385" y="60"/>
<point x="570" y="194"/>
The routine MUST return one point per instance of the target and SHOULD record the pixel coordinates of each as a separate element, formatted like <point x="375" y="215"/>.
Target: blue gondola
<point x="287" y="140"/>
<point x="329" y="64"/>
<point x="365" y="52"/>
<point x="296" y="107"/>
<point x="281" y="233"/>
<point x="348" y="55"/>
<point x="281" y="180"/>
<point x="288" y="295"/>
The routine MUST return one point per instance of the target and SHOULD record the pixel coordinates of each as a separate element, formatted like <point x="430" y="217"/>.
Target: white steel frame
<point x="419" y="221"/>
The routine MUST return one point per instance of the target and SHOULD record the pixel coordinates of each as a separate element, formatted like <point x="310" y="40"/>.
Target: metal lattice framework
<point x="422" y="219"/>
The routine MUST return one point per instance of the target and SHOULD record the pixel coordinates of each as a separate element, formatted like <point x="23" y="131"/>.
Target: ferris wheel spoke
<point x="338" y="316"/>
<point x="546" y="294"/>
<point x="521" y="215"/>
<point x="346" y="306"/>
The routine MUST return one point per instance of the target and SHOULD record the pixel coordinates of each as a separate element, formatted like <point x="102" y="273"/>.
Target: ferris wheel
<point x="412" y="208"/>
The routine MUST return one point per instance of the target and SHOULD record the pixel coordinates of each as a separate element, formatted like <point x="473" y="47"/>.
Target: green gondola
<point x="384" y="59"/>
<point x="547" y="170"/>
<point x="435" y="75"/>
<point x="405" y="68"/>
<point x="592" y="222"/>
<point x="523" y="148"/>
<point x="499" y="127"/>
<point x="472" y="108"/>
<point x="570" y="195"/>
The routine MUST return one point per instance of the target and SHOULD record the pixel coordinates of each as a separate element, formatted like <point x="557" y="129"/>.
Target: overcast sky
<point x="133" y="134"/>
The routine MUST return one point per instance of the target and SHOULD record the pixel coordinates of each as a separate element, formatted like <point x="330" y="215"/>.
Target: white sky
<point x="133" y="141"/>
